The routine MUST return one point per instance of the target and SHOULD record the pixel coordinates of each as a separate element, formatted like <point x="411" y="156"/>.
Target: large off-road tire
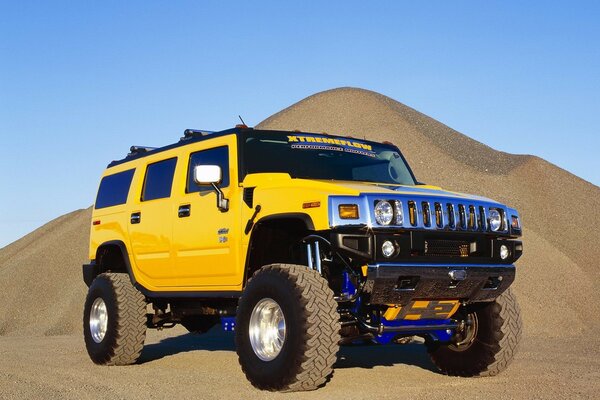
<point x="287" y="329"/>
<point x="114" y="320"/>
<point x="488" y="346"/>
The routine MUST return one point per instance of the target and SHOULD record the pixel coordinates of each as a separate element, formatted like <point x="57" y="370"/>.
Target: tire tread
<point x="322" y="328"/>
<point x="507" y="328"/>
<point x="130" y="331"/>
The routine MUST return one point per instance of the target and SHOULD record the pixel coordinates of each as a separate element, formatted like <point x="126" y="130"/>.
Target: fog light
<point x="388" y="249"/>
<point x="504" y="253"/>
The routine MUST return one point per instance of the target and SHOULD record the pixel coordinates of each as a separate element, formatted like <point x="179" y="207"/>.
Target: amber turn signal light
<point x="514" y="222"/>
<point x="348" y="211"/>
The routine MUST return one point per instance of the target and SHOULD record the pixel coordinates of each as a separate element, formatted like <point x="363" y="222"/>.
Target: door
<point x="151" y="227"/>
<point x="206" y="239"/>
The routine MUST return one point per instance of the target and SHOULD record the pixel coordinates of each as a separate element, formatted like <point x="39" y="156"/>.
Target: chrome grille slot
<point x="439" y="217"/>
<point x="462" y="216"/>
<point x="451" y="216"/>
<point x="412" y="213"/>
<point x="483" y="217"/>
<point x="472" y="218"/>
<point x="426" y="214"/>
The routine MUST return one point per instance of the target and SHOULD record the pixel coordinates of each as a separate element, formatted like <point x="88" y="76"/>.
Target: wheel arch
<point x="111" y="256"/>
<point x="291" y="228"/>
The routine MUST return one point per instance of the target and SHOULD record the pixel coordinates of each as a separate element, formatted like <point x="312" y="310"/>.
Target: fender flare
<point x="303" y="217"/>
<point x="93" y="269"/>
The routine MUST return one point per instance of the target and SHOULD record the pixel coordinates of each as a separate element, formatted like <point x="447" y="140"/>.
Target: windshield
<point x="313" y="156"/>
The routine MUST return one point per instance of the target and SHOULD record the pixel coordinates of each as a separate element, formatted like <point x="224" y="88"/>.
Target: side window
<point x="114" y="189"/>
<point x="159" y="179"/>
<point x="217" y="156"/>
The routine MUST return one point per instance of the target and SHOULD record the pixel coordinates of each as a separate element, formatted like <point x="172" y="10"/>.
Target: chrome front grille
<point x="455" y="215"/>
<point x="422" y="212"/>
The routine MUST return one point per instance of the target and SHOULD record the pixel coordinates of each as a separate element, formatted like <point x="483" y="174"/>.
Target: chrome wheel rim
<point x="467" y="336"/>
<point x="98" y="320"/>
<point x="267" y="329"/>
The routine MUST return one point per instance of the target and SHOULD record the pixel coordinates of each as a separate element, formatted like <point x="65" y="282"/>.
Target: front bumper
<point x="401" y="283"/>
<point x="426" y="247"/>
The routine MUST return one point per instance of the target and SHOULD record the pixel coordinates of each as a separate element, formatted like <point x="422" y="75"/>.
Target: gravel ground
<point x="42" y="293"/>
<point x="179" y="365"/>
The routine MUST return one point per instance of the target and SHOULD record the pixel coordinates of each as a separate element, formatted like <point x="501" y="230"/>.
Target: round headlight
<point x="384" y="213"/>
<point x="495" y="220"/>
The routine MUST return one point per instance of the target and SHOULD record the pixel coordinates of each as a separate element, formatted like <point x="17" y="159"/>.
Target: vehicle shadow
<point x="214" y="340"/>
<point x="370" y="356"/>
<point x="352" y="356"/>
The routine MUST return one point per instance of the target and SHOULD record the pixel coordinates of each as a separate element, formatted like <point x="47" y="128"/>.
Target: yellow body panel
<point x="206" y="245"/>
<point x="168" y="253"/>
<point x="207" y="250"/>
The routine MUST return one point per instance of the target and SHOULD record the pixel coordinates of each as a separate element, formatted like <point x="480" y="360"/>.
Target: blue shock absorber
<point x="348" y="288"/>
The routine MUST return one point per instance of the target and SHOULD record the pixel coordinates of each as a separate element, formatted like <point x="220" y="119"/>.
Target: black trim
<point x="248" y="196"/>
<point x="305" y="218"/>
<point x="415" y="246"/>
<point x="301" y="216"/>
<point x="353" y="244"/>
<point x="399" y="284"/>
<point x="90" y="271"/>
<point x="229" y="294"/>
<point x="412" y="246"/>
<point x="124" y="254"/>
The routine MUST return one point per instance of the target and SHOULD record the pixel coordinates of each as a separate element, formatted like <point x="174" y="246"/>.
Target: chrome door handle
<point x="184" y="211"/>
<point x="136" y="218"/>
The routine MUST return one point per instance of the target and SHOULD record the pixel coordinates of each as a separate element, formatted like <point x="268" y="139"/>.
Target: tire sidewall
<point x="279" y="371"/>
<point x="101" y="352"/>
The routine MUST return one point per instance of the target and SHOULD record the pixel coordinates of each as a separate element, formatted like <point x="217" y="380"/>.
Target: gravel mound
<point x="41" y="286"/>
<point x="42" y="292"/>
<point x="558" y="275"/>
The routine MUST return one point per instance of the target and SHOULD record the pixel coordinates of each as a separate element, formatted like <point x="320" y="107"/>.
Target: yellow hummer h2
<point x="301" y="242"/>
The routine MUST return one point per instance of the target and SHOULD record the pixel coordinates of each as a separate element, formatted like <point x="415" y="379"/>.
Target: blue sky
<point x="82" y="81"/>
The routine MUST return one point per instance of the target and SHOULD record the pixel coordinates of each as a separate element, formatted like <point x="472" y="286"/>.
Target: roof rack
<point x="190" y="135"/>
<point x="135" y="150"/>
<point x="195" y="133"/>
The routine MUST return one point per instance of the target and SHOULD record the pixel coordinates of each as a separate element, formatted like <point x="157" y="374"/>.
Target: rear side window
<point x="159" y="179"/>
<point x="114" y="189"/>
<point x="217" y="156"/>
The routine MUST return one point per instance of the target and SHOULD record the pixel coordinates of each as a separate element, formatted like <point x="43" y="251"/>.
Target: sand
<point x="41" y="290"/>
<point x="177" y="365"/>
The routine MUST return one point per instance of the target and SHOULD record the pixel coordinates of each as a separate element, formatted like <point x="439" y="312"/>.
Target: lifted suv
<point x="299" y="242"/>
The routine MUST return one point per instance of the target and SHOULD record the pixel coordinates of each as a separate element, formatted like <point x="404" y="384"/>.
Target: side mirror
<point x="207" y="174"/>
<point x="212" y="175"/>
